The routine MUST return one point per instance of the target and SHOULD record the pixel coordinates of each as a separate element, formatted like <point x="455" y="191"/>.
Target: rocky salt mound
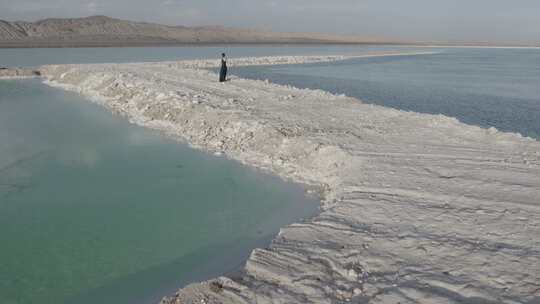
<point x="416" y="208"/>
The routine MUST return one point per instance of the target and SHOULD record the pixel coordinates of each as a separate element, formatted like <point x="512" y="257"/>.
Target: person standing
<point x="223" y="71"/>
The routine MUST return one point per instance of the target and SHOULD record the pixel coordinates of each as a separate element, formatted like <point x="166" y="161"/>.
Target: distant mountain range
<point x="106" y="31"/>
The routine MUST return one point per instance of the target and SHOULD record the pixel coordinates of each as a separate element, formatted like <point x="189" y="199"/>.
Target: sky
<point x="506" y="21"/>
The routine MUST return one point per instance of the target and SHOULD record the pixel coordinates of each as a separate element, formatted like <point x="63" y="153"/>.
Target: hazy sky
<point x="448" y="20"/>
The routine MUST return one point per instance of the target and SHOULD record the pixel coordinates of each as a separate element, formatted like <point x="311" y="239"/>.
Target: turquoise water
<point x="36" y="57"/>
<point x="96" y="210"/>
<point x="487" y="87"/>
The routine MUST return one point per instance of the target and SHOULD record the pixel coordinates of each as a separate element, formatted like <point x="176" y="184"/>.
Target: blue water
<point x="96" y="210"/>
<point x="487" y="87"/>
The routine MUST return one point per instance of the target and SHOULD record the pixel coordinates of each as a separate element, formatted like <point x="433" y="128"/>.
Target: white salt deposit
<point x="416" y="207"/>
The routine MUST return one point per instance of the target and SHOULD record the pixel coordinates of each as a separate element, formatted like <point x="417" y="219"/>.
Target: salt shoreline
<point x="18" y="73"/>
<point x="416" y="207"/>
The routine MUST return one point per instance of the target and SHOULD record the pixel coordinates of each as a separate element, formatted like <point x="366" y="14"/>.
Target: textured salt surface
<point x="17" y="73"/>
<point x="416" y="207"/>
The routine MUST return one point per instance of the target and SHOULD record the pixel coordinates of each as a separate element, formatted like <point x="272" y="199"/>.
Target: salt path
<point x="416" y="208"/>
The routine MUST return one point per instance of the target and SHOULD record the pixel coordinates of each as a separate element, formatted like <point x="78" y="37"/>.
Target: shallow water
<point x="486" y="87"/>
<point x="96" y="210"/>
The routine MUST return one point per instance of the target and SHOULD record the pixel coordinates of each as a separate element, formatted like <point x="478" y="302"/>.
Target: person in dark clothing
<point x="223" y="71"/>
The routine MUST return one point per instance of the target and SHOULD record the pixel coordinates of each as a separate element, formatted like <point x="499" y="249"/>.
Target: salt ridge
<point x="416" y="207"/>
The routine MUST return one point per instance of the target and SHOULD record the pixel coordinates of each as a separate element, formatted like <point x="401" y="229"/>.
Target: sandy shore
<point x="416" y="208"/>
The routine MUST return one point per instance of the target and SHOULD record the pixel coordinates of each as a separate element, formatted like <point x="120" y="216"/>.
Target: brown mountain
<point x="105" y="31"/>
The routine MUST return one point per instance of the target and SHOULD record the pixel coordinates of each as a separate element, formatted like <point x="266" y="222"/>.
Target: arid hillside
<point x="105" y="31"/>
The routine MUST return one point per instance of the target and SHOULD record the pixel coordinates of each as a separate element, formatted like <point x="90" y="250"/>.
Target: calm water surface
<point x="96" y="210"/>
<point x="486" y="87"/>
